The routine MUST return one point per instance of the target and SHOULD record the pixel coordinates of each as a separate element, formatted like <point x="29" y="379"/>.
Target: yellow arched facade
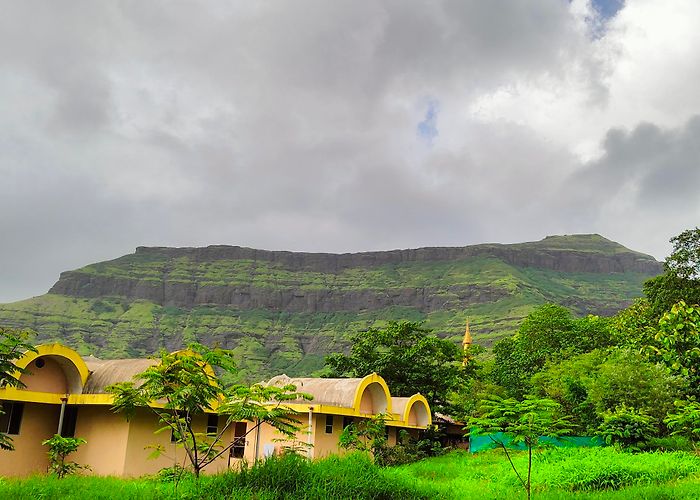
<point x="417" y="412"/>
<point x="375" y="388"/>
<point x="58" y="359"/>
<point x="59" y="381"/>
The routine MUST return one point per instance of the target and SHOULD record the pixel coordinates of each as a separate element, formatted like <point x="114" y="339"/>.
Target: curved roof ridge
<point x="105" y="372"/>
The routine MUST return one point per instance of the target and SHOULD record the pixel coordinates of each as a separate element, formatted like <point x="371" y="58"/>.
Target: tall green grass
<point x="561" y="473"/>
<point x="594" y="473"/>
<point x="288" y="477"/>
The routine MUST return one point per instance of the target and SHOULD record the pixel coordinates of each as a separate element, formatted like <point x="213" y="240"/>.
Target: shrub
<point x="627" y="427"/>
<point x="173" y="474"/>
<point x="686" y="420"/>
<point x="59" y="449"/>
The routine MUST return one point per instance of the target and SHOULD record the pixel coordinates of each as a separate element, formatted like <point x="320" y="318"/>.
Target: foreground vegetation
<point x="559" y="473"/>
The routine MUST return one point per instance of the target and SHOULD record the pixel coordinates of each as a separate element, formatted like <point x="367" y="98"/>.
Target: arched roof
<point x="340" y="392"/>
<point x="74" y="368"/>
<point x="403" y="407"/>
<point x="106" y="372"/>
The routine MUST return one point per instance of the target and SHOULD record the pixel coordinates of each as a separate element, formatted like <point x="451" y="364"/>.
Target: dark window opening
<point x="11" y="417"/>
<point x="346" y="422"/>
<point x="329" y="424"/>
<point x="239" y="432"/>
<point x="70" y="418"/>
<point x="212" y="424"/>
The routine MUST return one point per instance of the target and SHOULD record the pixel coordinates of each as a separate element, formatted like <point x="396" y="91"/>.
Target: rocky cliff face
<point x="188" y="295"/>
<point x="170" y="289"/>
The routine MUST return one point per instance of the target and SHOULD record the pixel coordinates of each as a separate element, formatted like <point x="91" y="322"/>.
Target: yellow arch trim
<point x="56" y="350"/>
<point x="416" y="398"/>
<point x="362" y="386"/>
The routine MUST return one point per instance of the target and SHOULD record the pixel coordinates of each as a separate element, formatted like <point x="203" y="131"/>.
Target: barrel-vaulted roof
<point x="105" y="372"/>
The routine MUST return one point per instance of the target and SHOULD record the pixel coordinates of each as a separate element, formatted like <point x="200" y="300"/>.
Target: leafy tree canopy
<point x="590" y="385"/>
<point x="13" y="344"/>
<point x="677" y="344"/>
<point x="681" y="279"/>
<point x="548" y="333"/>
<point x="684" y="262"/>
<point x="409" y="357"/>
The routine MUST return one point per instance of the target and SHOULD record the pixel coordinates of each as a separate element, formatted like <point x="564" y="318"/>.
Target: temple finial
<point x="467" y="336"/>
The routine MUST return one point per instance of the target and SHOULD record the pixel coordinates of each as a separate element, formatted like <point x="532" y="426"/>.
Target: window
<point x="329" y="424"/>
<point x="11" y="418"/>
<point x="239" y="432"/>
<point x="346" y="422"/>
<point x="70" y="418"/>
<point x="212" y="424"/>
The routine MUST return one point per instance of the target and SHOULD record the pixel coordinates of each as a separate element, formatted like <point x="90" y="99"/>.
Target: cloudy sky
<point x="341" y="125"/>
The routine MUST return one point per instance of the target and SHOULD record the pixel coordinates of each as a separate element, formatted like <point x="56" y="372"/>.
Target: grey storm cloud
<point x="647" y="178"/>
<point x="652" y="166"/>
<point x="309" y="125"/>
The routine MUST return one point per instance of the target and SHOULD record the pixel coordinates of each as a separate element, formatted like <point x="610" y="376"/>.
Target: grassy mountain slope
<point x="283" y="311"/>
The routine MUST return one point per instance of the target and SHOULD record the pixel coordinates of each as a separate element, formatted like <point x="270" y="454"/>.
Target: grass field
<point x="558" y="473"/>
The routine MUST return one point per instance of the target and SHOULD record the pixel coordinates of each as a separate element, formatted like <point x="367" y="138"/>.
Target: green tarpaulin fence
<point x="484" y="442"/>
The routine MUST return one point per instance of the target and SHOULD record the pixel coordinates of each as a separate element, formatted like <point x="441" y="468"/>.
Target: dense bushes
<point x="591" y="385"/>
<point x="627" y="427"/>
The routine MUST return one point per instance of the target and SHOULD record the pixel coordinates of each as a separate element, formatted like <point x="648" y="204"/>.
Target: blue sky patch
<point x="608" y="8"/>
<point x="427" y="129"/>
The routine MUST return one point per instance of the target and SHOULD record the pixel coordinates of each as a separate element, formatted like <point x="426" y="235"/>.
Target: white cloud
<point x="294" y="125"/>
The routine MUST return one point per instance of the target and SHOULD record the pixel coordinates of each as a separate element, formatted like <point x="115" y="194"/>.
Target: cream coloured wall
<point x="106" y="434"/>
<point x="270" y="439"/>
<point x="142" y="429"/>
<point x="39" y="422"/>
<point x="327" y="444"/>
<point x="48" y="378"/>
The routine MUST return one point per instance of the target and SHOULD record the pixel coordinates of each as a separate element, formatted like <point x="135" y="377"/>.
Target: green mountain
<point x="284" y="311"/>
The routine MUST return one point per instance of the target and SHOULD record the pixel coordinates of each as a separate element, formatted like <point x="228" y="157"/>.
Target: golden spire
<point x="467" y="337"/>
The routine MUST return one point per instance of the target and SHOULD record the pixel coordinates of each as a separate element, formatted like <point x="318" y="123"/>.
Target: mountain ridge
<point x="286" y="310"/>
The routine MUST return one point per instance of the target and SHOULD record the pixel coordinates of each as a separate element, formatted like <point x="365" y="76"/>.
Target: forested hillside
<point x="284" y="311"/>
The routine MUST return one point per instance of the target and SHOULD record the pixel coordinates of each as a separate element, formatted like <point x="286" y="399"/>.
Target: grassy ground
<point x="560" y="473"/>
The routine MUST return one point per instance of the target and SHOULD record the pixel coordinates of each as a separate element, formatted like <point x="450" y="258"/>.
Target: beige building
<point x="65" y="393"/>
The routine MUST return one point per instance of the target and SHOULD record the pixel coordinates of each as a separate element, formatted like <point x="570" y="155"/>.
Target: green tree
<point x="549" y="332"/>
<point x="681" y="277"/>
<point x="13" y="344"/>
<point x="634" y="326"/>
<point x="684" y="262"/>
<point x="677" y="344"/>
<point x="409" y="358"/>
<point x="590" y="385"/>
<point x="59" y="449"/>
<point x="520" y="422"/>
<point x="186" y="385"/>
